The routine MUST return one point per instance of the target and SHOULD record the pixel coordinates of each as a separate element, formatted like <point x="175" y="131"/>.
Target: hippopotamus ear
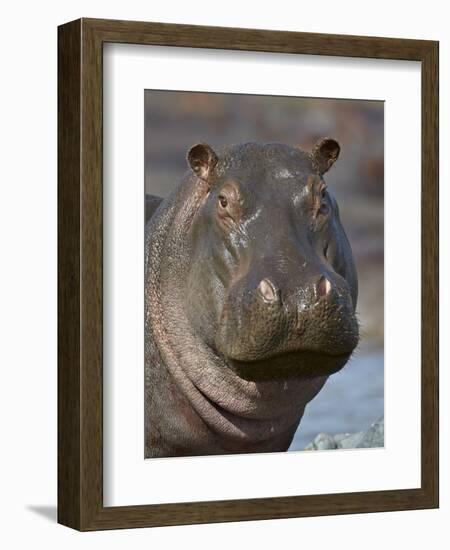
<point x="202" y="159"/>
<point x="324" y="154"/>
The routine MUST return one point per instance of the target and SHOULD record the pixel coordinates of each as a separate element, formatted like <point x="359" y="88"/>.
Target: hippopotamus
<point x="250" y="297"/>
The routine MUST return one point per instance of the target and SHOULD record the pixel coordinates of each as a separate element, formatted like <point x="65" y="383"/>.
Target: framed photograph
<point x="248" y="274"/>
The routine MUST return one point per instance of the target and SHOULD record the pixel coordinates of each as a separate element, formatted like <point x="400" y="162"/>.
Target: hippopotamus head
<point x="272" y="286"/>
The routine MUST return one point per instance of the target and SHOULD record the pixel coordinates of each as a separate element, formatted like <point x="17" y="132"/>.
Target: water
<point x="349" y="402"/>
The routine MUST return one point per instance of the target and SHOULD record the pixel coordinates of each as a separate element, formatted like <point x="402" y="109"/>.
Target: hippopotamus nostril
<point x="267" y="290"/>
<point x="323" y="287"/>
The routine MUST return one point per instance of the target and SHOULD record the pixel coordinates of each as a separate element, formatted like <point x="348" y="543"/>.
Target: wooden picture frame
<point x="80" y="271"/>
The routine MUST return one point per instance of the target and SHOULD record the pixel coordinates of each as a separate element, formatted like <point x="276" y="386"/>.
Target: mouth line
<point x="292" y="364"/>
<point x="300" y="353"/>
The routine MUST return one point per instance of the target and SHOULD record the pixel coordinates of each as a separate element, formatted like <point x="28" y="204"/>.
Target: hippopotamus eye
<point x="323" y="205"/>
<point x="223" y="201"/>
<point x="324" y="209"/>
<point x="229" y="204"/>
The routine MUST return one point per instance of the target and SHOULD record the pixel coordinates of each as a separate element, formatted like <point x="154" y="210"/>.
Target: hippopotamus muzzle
<point x="310" y="328"/>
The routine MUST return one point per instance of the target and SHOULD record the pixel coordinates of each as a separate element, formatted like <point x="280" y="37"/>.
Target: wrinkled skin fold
<point x="250" y="297"/>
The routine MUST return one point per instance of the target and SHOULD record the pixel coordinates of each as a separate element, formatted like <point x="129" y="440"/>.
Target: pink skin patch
<point x="323" y="287"/>
<point x="267" y="290"/>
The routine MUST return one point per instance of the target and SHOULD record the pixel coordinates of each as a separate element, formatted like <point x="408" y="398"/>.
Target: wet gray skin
<point x="250" y="296"/>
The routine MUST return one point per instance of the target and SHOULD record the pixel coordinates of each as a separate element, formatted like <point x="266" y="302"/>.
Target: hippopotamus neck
<point x="239" y="413"/>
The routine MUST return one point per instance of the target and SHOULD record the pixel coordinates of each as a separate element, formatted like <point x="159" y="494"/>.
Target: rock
<point x="373" y="437"/>
<point x="352" y="441"/>
<point x="340" y="437"/>
<point x="324" y="442"/>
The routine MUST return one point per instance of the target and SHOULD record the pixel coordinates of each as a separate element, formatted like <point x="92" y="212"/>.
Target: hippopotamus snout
<point x="324" y="304"/>
<point x="312" y="312"/>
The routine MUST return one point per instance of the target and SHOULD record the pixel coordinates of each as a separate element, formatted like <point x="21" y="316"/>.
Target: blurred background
<point x="354" y="397"/>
